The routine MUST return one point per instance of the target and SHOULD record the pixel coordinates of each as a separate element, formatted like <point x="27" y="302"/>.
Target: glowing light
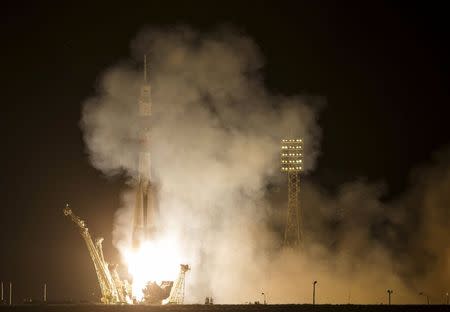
<point x="153" y="261"/>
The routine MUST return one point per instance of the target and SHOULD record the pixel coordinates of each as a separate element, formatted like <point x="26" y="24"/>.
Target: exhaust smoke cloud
<point x="216" y="132"/>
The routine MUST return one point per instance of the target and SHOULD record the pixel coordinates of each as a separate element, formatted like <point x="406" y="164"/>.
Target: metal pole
<point x="45" y="292"/>
<point x="10" y="293"/>
<point x="2" y="293"/>
<point x="314" y="292"/>
<point x="390" y="291"/>
<point x="424" y="294"/>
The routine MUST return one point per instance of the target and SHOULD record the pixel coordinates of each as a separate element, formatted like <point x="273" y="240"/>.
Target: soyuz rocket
<point x="145" y="206"/>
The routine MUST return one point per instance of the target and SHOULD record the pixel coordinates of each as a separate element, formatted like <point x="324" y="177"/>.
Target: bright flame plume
<point x="153" y="261"/>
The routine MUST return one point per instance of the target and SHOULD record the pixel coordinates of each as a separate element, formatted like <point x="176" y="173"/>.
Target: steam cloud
<point x="215" y="135"/>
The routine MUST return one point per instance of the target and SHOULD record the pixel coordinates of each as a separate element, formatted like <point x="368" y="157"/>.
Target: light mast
<point x="291" y="164"/>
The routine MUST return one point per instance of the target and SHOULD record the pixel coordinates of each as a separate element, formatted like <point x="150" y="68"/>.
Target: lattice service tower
<point x="145" y="209"/>
<point x="291" y="163"/>
<point x="178" y="288"/>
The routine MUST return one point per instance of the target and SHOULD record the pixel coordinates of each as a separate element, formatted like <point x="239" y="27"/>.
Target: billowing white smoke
<point x="215" y="135"/>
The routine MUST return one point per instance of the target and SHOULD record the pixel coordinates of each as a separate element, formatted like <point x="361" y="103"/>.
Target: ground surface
<point x="225" y="308"/>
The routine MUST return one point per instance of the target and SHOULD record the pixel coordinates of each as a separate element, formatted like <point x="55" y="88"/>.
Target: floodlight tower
<point x="291" y="163"/>
<point x="145" y="210"/>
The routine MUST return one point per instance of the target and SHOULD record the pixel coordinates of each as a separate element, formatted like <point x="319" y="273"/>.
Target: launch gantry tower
<point x="112" y="288"/>
<point x="177" y="292"/>
<point x="291" y="163"/>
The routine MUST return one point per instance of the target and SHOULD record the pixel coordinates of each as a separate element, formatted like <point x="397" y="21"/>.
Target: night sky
<point x="383" y="70"/>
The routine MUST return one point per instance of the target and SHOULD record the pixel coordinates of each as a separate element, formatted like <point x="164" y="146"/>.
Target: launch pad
<point x="115" y="290"/>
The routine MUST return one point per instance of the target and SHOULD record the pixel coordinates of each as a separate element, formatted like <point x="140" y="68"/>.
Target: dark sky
<point x="382" y="68"/>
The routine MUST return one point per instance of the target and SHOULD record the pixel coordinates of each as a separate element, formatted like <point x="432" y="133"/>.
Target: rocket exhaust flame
<point x="153" y="261"/>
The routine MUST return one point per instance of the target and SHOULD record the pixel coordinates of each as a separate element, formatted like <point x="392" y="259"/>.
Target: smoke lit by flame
<point x="154" y="261"/>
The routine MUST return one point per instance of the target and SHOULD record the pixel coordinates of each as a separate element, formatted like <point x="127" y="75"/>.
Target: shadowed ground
<point x="224" y="308"/>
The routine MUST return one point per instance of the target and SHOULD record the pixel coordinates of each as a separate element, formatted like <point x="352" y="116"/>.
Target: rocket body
<point x="145" y="207"/>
